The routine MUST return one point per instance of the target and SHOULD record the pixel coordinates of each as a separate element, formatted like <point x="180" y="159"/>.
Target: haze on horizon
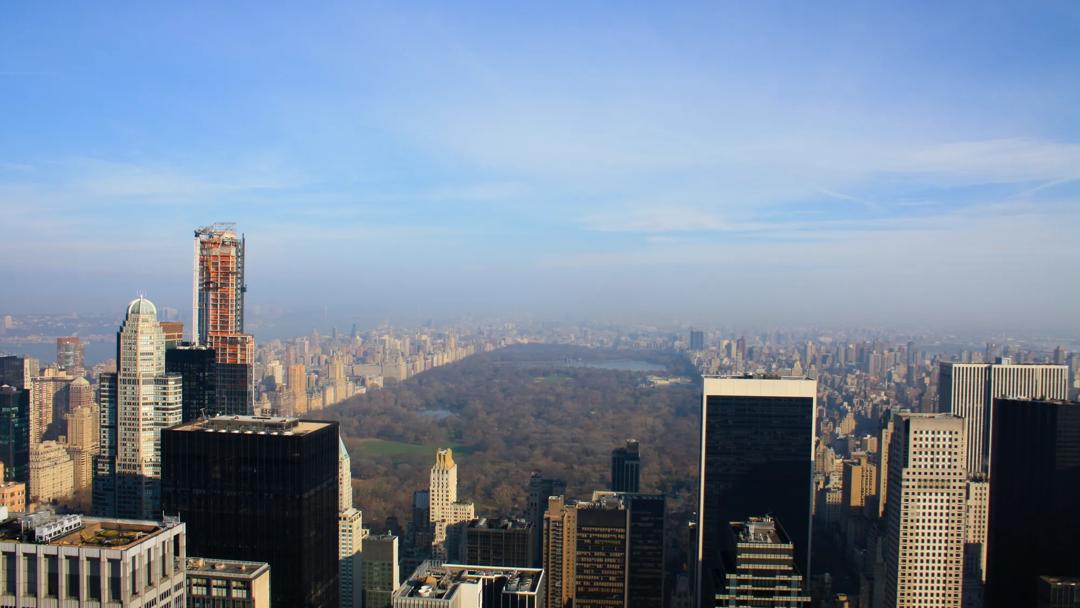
<point x="708" y="162"/>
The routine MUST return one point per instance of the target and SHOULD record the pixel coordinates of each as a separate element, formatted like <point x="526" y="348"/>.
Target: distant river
<point x="96" y="352"/>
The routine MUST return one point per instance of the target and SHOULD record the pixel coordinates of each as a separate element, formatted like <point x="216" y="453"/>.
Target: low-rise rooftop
<point x="253" y="425"/>
<point x="225" y="568"/>
<point x="46" y="527"/>
<point x="438" y="580"/>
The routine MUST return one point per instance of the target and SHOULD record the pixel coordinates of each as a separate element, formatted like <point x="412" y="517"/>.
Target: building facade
<point x="350" y="535"/>
<point x="15" y="433"/>
<point x="444" y="509"/>
<point x="759" y="569"/>
<point x="380" y="574"/>
<point x="227" y="583"/>
<point x="626" y="467"/>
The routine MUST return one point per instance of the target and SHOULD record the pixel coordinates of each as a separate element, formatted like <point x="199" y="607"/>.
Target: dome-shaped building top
<point x="141" y="306"/>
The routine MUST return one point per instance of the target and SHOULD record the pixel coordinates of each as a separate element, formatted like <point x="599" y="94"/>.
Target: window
<point x="71" y="567"/>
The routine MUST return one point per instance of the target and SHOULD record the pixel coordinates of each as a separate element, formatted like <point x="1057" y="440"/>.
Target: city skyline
<point x="493" y="160"/>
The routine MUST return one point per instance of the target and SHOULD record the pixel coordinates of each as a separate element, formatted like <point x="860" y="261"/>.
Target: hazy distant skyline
<point x="738" y="163"/>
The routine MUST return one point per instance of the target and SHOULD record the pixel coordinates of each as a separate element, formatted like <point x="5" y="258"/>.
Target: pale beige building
<point x="925" y="512"/>
<point x="444" y="509"/>
<point x="52" y="475"/>
<point x="860" y="480"/>
<point x="225" y="582"/>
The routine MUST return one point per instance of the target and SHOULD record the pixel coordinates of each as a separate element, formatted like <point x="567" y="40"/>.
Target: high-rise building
<point x="227" y="583"/>
<point x="49" y="397"/>
<point x="975" y="527"/>
<point x="82" y="439"/>
<point x="218" y="314"/>
<point x="136" y="405"/>
<point x="444" y="509"/>
<point x="174" y="333"/>
<point x="435" y="584"/>
<point x="1059" y="592"/>
<point x="80" y="394"/>
<point x="498" y="542"/>
<point x="76" y="561"/>
<point x="860" y="481"/>
<point x="759" y="569"/>
<point x="297" y="377"/>
<point x="70" y="354"/>
<point x="757" y="457"/>
<point x="540" y="489"/>
<point x="968" y="390"/>
<point x="18" y="371"/>
<point x="52" y="473"/>
<point x="381" y="576"/>
<point x="1034" y="498"/>
<point x="198" y="371"/>
<point x="697" y="340"/>
<point x="925" y="512"/>
<point x="626" y="468"/>
<point x="350" y="536"/>
<point x="12" y="494"/>
<point x="260" y="489"/>
<point x="605" y="552"/>
<point x="15" y="433"/>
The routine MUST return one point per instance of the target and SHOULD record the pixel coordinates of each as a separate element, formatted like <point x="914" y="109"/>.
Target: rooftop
<point x="262" y="425"/>
<point x="46" y="527"/>
<point x="438" y="580"/>
<point x="501" y="523"/>
<point x="226" y="568"/>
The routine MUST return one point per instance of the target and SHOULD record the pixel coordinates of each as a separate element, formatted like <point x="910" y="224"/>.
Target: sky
<point x="715" y="163"/>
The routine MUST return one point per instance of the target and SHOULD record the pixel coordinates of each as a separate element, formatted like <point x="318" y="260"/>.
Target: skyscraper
<point x="137" y="404"/>
<point x="445" y="510"/>
<point x="70" y="354"/>
<point x="540" y="489"/>
<point x="626" y="467"/>
<point x="218" y="314"/>
<point x="260" y="489"/>
<point x="759" y="567"/>
<point x="350" y="535"/>
<point x="498" y="542"/>
<point x="925" y="512"/>
<point x="1034" y="498"/>
<point x="968" y="390"/>
<point x="15" y="433"/>
<point x="757" y="457"/>
<point x="198" y="371"/>
<point x="380" y="570"/>
<point x="697" y="340"/>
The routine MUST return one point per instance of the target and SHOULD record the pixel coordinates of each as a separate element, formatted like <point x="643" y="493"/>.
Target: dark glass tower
<point x="198" y="370"/>
<point x="626" y="468"/>
<point x="540" y="489"/>
<point x="757" y="457"/>
<point x="15" y="433"/>
<point x="104" y="486"/>
<point x="1034" y="527"/>
<point x="260" y="489"/>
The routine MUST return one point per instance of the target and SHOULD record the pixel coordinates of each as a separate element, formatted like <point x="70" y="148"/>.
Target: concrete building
<point x="12" y="494"/>
<point x="74" y="561"/>
<point x="380" y="575"/>
<point x="925" y="512"/>
<point x="860" y="481"/>
<point x="254" y="488"/>
<point x="52" y="474"/>
<point x="82" y="442"/>
<point x="759" y="568"/>
<point x="436" y="584"/>
<point x="968" y="390"/>
<point x="350" y="536"/>
<point x="48" y="401"/>
<point x="227" y="583"/>
<point x="977" y="508"/>
<point x="136" y="404"/>
<point x="757" y="456"/>
<point x="444" y="509"/>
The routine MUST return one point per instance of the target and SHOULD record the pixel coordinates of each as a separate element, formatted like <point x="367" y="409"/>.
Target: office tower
<point x="626" y="468"/>
<point x="218" y="314"/>
<point x="227" y="583"/>
<point x="1059" y="592"/>
<point x="103" y="490"/>
<point x="498" y="542"/>
<point x="18" y="371"/>
<point x="605" y="552"/>
<point x="436" y="584"/>
<point x="260" y="489"/>
<point x="757" y="439"/>
<point x="136" y="405"/>
<point x="48" y="402"/>
<point x="298" y="388"/>
<point x="80" y="394"/>
<point x="925" y="512"/>
<point x="968" y="390"/>
<point x="977" y="508"/>
<point x="697" y="340"/>
<point x="540" y="489"/>
<point x="1034" y="498"/>
<point x="758" y="565"/>
<point x="860" y="481"/>
<point x="71" y="560"/>
<point x="82" y="438"/>
<point x="350" y="535"/>
<point x="380" y="570"/>
<point x="52" y="473"/>
<point x="444" y="509"/>
<point x="174" y="333"/>
<point x="70" y="354"/>
<point x="15" y="433"/>
<point x="197" y="368"/>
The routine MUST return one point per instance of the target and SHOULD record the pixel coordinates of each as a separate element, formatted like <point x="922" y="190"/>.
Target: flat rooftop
<point x="261" y="425"/>
<point x="438" y="580"/>
<point x="498" y="523"/>
<point x="93" y="532"/>
<point x="225" y="568"/>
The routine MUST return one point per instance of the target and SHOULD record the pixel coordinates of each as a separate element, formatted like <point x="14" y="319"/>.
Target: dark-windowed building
<point x="540" y="489"/>
<point x="626" y="467"/>
<point x="15" y="433"/>
<point x="757" y="442"/>
<point x="199" y="375"/>
<point x="1034" y="527"/>
<point x="260" y="489"/>
<point x="498" y="542"/>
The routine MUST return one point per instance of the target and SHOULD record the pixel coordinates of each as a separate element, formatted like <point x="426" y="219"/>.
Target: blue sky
<point x="715" y="162"/>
